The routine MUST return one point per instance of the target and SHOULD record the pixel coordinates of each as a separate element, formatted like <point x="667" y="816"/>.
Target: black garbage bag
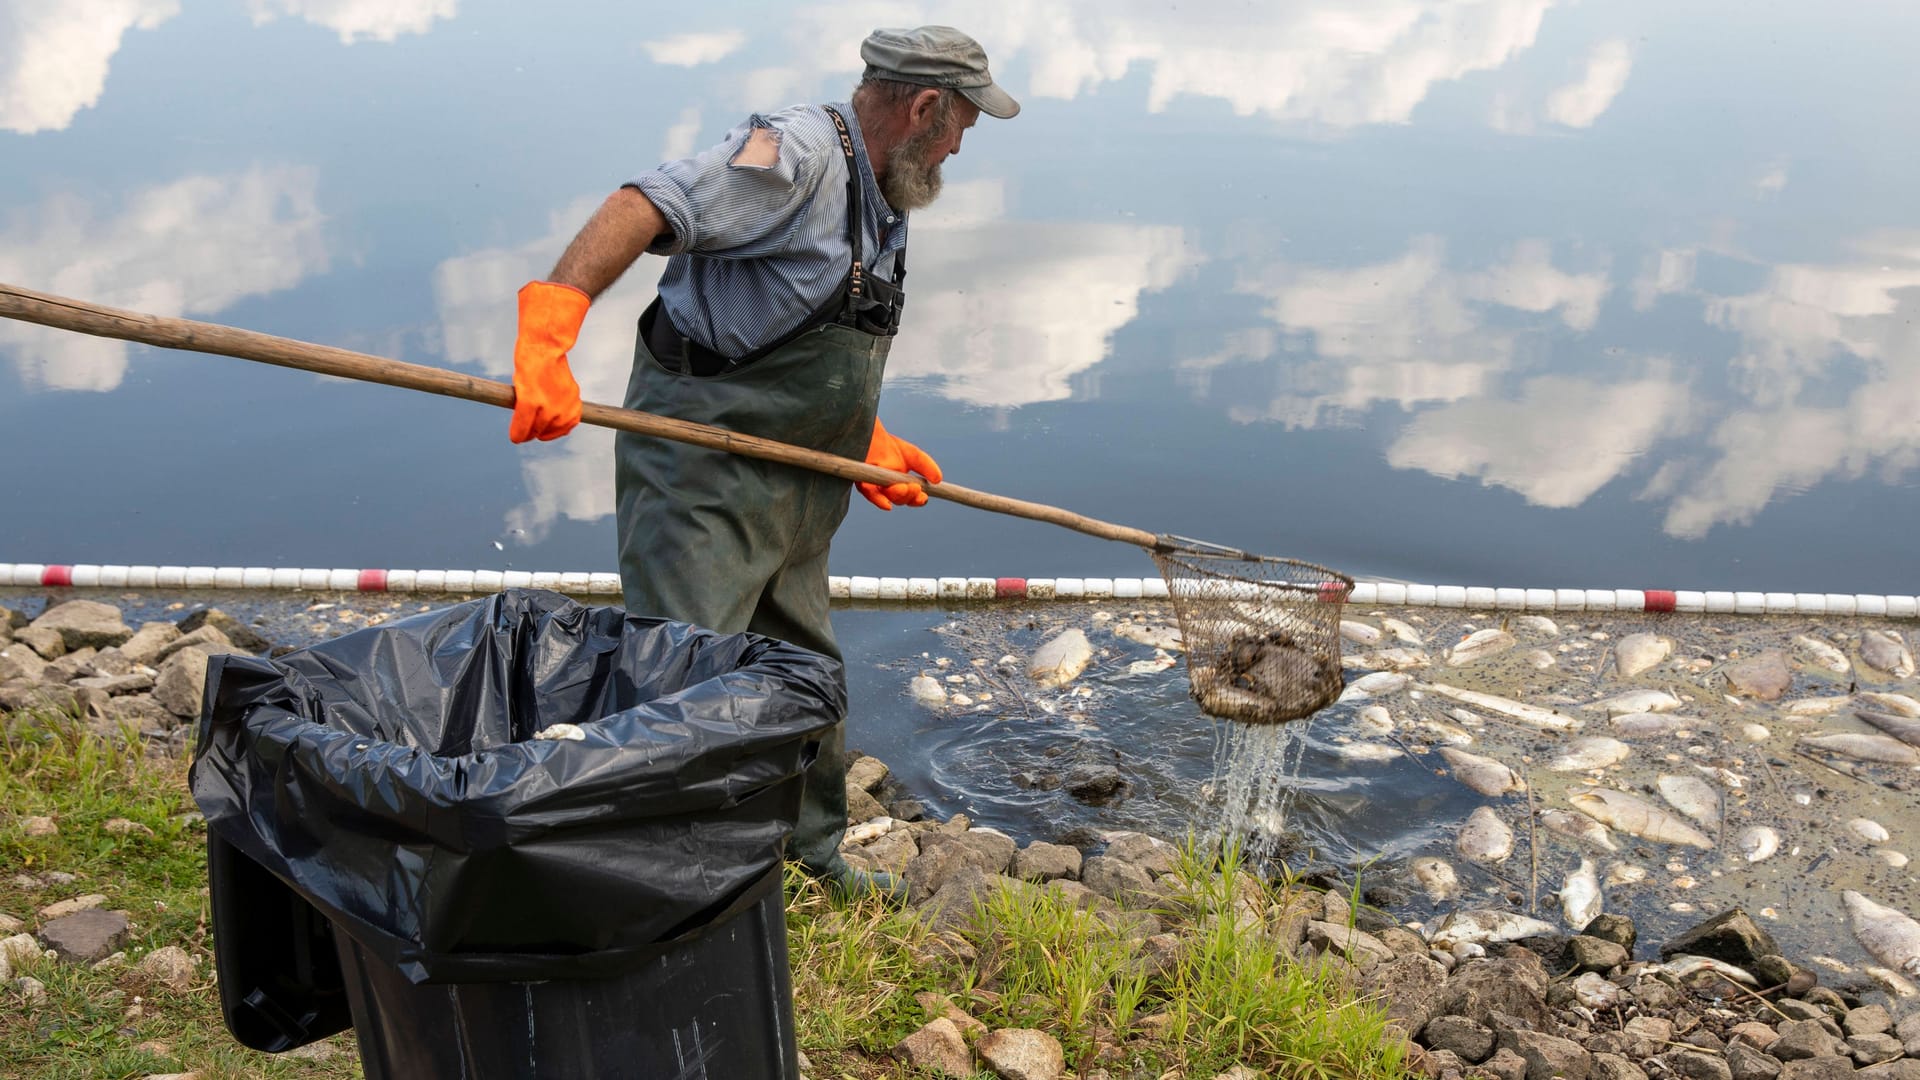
<point x="392" y="779"/>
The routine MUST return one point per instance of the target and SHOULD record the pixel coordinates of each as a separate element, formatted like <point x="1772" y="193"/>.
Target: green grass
<point x="1027" y="958"/>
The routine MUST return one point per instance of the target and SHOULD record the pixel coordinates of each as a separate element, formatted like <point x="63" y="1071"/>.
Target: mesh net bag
<point x="1262" y="634"/>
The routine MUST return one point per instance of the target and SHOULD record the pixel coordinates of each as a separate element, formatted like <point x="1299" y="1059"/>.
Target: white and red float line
<point x="937" y="589"/>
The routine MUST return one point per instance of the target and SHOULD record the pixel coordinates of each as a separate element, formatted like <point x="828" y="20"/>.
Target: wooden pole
<point x="79" y="316"/>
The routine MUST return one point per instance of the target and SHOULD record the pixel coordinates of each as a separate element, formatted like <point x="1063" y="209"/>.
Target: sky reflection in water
<point x="1493" y="293"/>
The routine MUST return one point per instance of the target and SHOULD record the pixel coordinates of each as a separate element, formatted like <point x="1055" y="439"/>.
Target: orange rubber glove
<point x="900" y="456"/>
<point x="546" y="399"/>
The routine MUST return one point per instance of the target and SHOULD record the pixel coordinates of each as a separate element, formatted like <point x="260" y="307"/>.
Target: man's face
<point x="913" y="169"/>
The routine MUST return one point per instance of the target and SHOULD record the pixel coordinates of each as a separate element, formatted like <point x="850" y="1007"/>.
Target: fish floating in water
<point x="1152" y="635"/>
<point x="1484" y="838"/>
<point x="1436" y="878"/>
<point x="1906" y="729"/>
<point x="1378" y="683"/>
<point x="1482" y="774"/>
<point x="1645" y="725"/>
<point x="1883" y="650"/>
<point x="1693" y="797"/>
<point x="1883" y="749"/>
<point x="1636" y="817"/>
<point x="1637" y="653"/>
<point x="1480" y="645"/>
<point x="1580" y="898"/>
<point x="1686" y="964"/>
<point x="1892" y="937"/>
<point x="1636" y="701"/>
<point x="927" y="691"/>
<point x="1821" y="655"/>
<point x="1060" y="660"/>
<point x="1590" y="753"/>
<point x="1579" y="827"/>
<point x="1758" y="843"/>
<point x="1533" y="715"/>
<point x="1897" y="704"/>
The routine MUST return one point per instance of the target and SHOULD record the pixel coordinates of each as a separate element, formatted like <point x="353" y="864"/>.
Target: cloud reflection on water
<point x="191" y="247"/>
<point x="54" y="57"/>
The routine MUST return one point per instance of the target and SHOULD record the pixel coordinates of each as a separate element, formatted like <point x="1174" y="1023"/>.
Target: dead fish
<point x="1637" y="817"/>
<point x="1507" y="707"/>
<point x="1480" y="645"/>
<point x="1625" y="873"/>
<point x="1884" y="749"/>
<point x="1892" y="982"/>
<point x="868" y="830"/>
<point x="1693" y="797"/>
<point x="1884" y="650"/>
<point x="1818" y="706"/>
<point x="1758" y="843"/>
<point x="1821" y="655"/>
<point x="1396" y="660"/>
<point x="1580" y="898"/>
<point x="1061" y="660"/>
<point x="1484" y="838"/>
<point x="1152" y="635"/>
<point x="1636" y="653"/>
<point x="1365" y="751"/>
<point x="1378" y="683"/>
<point x="1445" y="733"/>
<point x="1869" y="830"/>
<point x="1482" y="774"/>
<point x="1540" y="659"/>
<point x="1481" y="927"/>
<point x="1892" y="937"/>
<point x="1635" y="701"/>
<point x="1359" y="633"/>
<point x="1578" y="827"/>
<point x="567" y="732"/>
<point x="1685" y="964"/>
<point x="1589" y="753"/>
<point x="1900" y="727"/>
<point x="1755" y="733"/>
<point x="1538" y="624"/>
<point x="1897" y="704"/>
<point x="1648" y="725"/>
<point x="1375" y="720"/>
<point x="1162" y="660"/>
<point x="1436" y="878"/>
<point x="926" y="690"/>
<point x="1402" y="631"/>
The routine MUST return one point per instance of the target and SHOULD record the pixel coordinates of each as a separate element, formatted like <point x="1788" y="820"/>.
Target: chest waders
<point x="733" y="543"/>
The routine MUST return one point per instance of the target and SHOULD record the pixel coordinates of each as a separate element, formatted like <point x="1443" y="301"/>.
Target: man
<point x="781" y="295"/>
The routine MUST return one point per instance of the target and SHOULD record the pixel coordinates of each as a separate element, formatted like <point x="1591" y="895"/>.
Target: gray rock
<point x="208" y="639"/>
<point x="1827" y="999"/>
<point x="961" y="896"/>
<point x="1497" y="985"/>
<point x="1873" y="1048"/>
<point x="1615" y="1067"/>
<point x="1117" y="879"/>
<point x="1460" y="1035"/>
<point x="1403" y="941"/>
<point x="1334" y="907"/>
<point x="1096" y="785"/>
<point x="20" y="695"/>
<point x="1823" y="1068"/>
<point x="1615" y="928"/>
<point x="1151" y="854"/>
<point x="1800" y="1010"/>
<point x="1079" y="896"/>
<point x="117" y="685"/>
<point x="1439" y="1063"/>
<point x="1407" y="986"/>
<point x="110" y="661"/>
<point x="893" y="852"/>
<point x="145" y="714"/>
<point x="1766" y="676"/>
<point x="1621" y="1043"/>
<point x="1867" y="1020"/>
<point x="866" y="773"/>
<point x="1731" y="936"/>
<point x="1746" y="1063"/>
<point x="13" y="620"/>
<point x="1906" y="1068"/>
<point x="1656" y="1030"/>
<point x="1505" y="1064"/>
<point x="1773" y="970"/>
<point x="861" y="805"/>
<point x="1598" y="955"/>
<point x="1041" y="861"/>
<point x="183" y="681"/>
<point x="169" y="965"/>
<point x="1549" y="1056"/>
<point x="85" y="624"/>
<point x="47" y="642"/>
<point x="19" y="661"/>
<point x="1022" y="1054"/>
<point x="1802" y="1039"/>
<point x="939" y="1049"/>
<point x="942" y="854"/>
<point x="1354" y="944"/>
<point x="86" y="936"/>
<point x="1907" y="1028"/>
<point x="1696" y="1065"/>
<point x="239" y="633"/>
<point x="146" y="643"/>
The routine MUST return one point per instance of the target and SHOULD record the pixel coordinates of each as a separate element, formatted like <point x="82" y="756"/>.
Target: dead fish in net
<point x="1892" y="937"/>
<point x="1267" y="679"/>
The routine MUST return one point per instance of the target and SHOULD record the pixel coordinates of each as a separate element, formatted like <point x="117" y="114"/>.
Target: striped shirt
<point x="755" y="249"/>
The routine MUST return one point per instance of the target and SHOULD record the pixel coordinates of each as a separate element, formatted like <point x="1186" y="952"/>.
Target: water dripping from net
<point x="1256" y="768"/>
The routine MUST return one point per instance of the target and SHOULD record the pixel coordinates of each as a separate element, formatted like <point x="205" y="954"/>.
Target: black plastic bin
<point x="389" y="844"/>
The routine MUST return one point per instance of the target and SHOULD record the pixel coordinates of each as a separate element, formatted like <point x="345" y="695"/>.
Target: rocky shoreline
<point x="1477" y="993"/>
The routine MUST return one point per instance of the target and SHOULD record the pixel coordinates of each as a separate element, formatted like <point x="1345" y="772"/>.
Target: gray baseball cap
<point x="937" y="56"/>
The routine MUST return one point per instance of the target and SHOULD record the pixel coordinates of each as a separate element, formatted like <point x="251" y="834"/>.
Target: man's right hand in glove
<point x="546" y="399"/>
